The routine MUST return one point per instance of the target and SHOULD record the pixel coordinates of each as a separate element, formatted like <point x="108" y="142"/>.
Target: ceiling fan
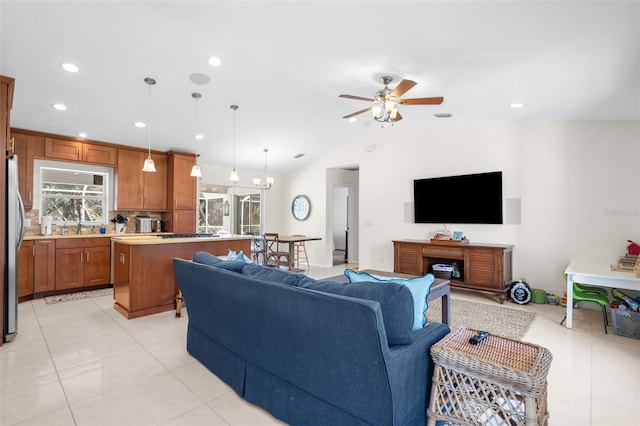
<point x="384" y="109"/>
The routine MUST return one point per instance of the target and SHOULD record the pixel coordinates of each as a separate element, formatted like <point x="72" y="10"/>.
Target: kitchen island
<point x="142" y="268"/>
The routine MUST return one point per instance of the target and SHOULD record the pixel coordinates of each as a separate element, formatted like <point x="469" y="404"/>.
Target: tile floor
<point x="81" y="363"/>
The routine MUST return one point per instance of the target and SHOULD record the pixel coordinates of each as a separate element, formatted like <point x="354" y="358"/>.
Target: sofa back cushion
<point x="396" y="303"/>
<point x="276" y="275"/>
<point x="211" y="260"/>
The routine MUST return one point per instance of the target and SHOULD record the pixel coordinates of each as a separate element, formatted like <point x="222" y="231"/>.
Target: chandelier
<point x="385" y="110"/>
<point x="268" y="181"/>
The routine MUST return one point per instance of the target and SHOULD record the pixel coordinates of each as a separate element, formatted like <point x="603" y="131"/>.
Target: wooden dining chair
<point x="300" y="252"/>
<point x="274" y="253"/>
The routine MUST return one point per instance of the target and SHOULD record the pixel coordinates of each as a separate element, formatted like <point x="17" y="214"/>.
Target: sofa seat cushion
<point x="419" y="287"/>
<point x="396" y="303"/>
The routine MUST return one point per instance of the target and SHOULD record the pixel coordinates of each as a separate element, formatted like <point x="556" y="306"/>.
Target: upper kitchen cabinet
<point x="70" y="150"/>
<point x="182" y="186"/>
<point x="27" y="147"/>
<point x="138" y="190"/>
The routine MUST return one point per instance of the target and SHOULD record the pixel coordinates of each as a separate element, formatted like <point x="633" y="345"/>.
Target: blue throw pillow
<point x="419" y="287"/>
<point x="238" y="256"/>
<point x="206" y="258"/>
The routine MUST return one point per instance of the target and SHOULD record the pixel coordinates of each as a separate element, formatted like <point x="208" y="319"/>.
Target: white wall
<point x="578" y="182"/>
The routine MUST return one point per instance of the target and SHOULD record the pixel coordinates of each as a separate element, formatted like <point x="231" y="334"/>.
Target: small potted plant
<point x="120" y="223"/>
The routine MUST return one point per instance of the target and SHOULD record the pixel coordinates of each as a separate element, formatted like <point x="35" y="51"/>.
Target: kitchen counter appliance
<point x="144" y="224"/>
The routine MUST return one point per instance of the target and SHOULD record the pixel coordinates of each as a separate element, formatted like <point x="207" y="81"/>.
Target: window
<point x="224" y="209"/>
<point x="74" y="195"/>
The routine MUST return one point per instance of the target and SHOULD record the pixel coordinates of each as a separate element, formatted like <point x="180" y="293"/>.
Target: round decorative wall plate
<point x="301" y="207"/>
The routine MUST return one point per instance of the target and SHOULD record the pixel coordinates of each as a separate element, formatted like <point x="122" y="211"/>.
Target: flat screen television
<point x="474" y="198"/>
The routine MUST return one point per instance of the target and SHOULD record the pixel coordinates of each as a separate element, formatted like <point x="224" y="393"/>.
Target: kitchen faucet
<point x="64" y="228"/>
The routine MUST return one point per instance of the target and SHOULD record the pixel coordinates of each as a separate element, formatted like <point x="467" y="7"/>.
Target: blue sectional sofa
<point x="309" y="352"/>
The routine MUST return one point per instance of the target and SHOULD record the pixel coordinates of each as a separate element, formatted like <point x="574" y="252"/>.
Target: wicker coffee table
<point x="497" y="382"/>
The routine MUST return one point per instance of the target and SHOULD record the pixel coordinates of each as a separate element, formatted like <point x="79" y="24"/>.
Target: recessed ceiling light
<point x="352" y="120"/>
<point x="82" y="135"/>
<point x="59" y="107"/>
<point x="214" y="61"/>
<point x="68" y="66"/>
<point x="199" y="137"/>
<point x="139" y="124"/>
<point x="516" y="105"/>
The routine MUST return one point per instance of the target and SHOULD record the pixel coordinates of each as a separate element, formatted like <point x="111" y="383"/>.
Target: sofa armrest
<point x="410" y="369"/>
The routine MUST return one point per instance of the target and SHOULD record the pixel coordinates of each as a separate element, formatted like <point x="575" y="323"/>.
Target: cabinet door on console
<point x="408" y="258"/>
<point x="484" y="268"/>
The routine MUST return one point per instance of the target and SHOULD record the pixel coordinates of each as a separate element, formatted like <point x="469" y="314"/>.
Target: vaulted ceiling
<point x="285" y="63"/>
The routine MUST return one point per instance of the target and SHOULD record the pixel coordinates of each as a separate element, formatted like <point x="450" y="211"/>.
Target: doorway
<point x="340" y="224"/>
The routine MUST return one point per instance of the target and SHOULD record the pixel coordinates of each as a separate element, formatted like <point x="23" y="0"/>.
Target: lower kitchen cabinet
<point x="44" y="265"/>
<point x="82" y="262"/>
<point x="25" y="269"/>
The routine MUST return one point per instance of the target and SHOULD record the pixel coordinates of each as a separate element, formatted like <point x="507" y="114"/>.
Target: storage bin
<point x="442" y="270"/>
<point x="626" y="323"/>
<point x="538" y="296"/>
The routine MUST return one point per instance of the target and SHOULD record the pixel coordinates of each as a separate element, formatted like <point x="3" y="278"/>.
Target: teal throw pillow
<point x="419" y="288"/>
<point x="238" y="256"/>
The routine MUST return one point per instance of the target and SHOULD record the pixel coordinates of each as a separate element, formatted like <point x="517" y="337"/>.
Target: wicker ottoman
<point x="497" y="382"/>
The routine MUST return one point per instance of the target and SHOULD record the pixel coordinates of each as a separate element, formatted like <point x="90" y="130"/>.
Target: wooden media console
<point x="484" y="267"/>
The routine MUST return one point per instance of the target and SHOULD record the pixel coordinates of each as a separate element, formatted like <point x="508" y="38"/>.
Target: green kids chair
<point x="599" y="295"/>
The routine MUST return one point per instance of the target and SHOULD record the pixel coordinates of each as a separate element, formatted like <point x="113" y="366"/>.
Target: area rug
<point x="78" y="295"/>
<point x="496" y="319"/>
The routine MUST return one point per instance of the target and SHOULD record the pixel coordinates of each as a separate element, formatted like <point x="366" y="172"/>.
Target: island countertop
<point x="150" y="239"/>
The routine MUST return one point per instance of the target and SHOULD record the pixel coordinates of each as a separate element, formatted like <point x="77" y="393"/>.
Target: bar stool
<point x="299" y="252"/>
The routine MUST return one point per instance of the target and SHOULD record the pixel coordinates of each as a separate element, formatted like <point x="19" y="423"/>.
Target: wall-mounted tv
<point x="474" y="198"/>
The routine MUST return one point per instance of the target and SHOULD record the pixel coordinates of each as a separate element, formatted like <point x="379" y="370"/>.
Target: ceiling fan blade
<point x="402" y="88"/>
<point x="398" y="116"/>
<point x="357" y="112"/>
<point x="422" y="101"/>
<point x="359" y="98"/>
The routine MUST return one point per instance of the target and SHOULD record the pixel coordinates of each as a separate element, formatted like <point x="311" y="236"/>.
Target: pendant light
<point x="234" y="177"/>
<point x="195" y="170"/>
<point x="148" y="163"/>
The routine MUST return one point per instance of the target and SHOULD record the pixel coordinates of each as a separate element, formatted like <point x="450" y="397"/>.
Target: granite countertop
<point x="96" y="235"/>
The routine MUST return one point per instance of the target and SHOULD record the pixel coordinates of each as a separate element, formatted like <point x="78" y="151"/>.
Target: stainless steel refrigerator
<point x="14" y="233"/>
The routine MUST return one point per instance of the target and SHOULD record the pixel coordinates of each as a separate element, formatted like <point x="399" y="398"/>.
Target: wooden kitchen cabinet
<point x="138" y="190"/>
<point x="182" y="194"/>
<point x="485" y="267"/>
<point x="85" y="152"/>
<point x="82" y="262"/>
<point x="27" y="147"/>
<point x="44" y="265"/>
<point x="25" y="269"/>
<point x="182" y="187"/>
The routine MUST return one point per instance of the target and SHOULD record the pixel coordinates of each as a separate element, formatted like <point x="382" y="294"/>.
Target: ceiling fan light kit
<point x="386" y="100"/>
